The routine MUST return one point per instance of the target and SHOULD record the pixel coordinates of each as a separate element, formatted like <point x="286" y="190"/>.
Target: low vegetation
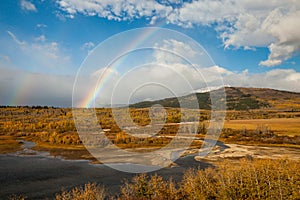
<point x="247" y="179"/>
<point x="9" y="144"/>
<point x="53" y="129"/>
<point x="261" y="135"/>
<point x="90" y="191"/>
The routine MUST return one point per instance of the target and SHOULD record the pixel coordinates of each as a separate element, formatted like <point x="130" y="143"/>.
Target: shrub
<point x="247" y="179"/>
<point x="144" y="187"/>
<point x="243" y="179"/>
<point x="258" y="179"/>
<point x="90" y="191"/>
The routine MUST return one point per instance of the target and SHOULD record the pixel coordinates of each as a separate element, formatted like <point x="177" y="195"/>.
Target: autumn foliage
<point x="243" y="179"/>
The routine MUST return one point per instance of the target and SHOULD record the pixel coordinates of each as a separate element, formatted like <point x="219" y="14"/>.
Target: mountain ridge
<point x="237" y="98"/>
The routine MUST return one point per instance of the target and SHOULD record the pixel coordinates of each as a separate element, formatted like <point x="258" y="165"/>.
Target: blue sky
<point x="249" y="41"/>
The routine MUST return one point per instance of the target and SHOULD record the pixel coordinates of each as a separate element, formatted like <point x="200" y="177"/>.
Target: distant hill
<point x="237" y="98"/>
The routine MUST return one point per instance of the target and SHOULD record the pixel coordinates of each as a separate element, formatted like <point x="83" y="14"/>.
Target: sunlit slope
<point x="237" y="98"/>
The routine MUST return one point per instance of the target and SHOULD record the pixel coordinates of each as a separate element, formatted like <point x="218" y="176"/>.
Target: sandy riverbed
<point x="234" y="151"/>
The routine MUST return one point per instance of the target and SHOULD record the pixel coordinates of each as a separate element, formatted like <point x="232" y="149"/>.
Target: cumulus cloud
<point x="243" y="24"/>
<point x="283" y="79"/>
<point x="249" y="24"/>
<point x="152" y="81"/>
<point x="169" y="75"/>
<point x="115" y="10"/>
<point x="28" y="6"/>
<point x="287" y="34"/>
<point x="185" y="82"/>
<point x="166" y="50"/>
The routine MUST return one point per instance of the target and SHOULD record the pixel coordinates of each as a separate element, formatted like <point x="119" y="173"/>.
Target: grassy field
<point x="9" y="144"/>
<point x="53" y="129"/>
<point x="280" y="126"/>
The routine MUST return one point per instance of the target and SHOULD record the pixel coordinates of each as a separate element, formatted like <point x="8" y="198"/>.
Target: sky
<point x="46" y="44"/>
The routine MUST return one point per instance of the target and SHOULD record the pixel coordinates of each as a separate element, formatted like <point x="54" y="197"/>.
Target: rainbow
<point x="26" y="80"/>
<point x="89" y="101"/>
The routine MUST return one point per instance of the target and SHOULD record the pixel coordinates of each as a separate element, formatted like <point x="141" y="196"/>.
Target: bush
<point x="257" y="179"/>
<point x="144" y="187"/>
<point x="90" y="191"/>
<point x="243" y="179"/>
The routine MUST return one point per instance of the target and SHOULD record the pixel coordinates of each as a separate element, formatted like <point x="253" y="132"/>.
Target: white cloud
<point x="28" y="6"/>
<point x="63" y="17"/>
<point x="88" y="46"/>
<point x="287" y="34"/>
<point x="15" y="38"/>
<point x="41" y="38"/>
<point x="241" y="24"/>
<point x="165" y="52"/>
<point x="160" y="81"/>
<point x="204" y="12"/>
<point x="115" y="10"/>
<point x="164" y="75"/>
<point x="45" y="89"/>
<point x="217" y="69"/>
<point x="283" y="79"/>
<point x="150" y="82"/>
<point x="39" y="54"/>
<point x="41" y="26"/>
<point x="249" y="24"/>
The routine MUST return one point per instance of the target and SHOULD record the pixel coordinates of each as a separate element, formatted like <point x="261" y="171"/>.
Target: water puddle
<point x="28" y="151"/>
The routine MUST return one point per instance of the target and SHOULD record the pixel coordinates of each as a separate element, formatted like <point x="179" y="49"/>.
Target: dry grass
<point x="44" y="145"/>
<point x="280" y="126"/>
<point x="17" y="197"/>
<point x="258" y="179"/>
<point x="9" y="144"/>
<point x="143" y="187"/>
<point x="90" y="191"/>
<point x="242" y="179"/>
<point x="52" y="129"/>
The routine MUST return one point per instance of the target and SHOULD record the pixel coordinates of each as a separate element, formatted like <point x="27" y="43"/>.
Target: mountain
<point x="237" y="98"/>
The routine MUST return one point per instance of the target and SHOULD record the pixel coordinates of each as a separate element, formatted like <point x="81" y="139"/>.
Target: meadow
<point x="53" y="129"/>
